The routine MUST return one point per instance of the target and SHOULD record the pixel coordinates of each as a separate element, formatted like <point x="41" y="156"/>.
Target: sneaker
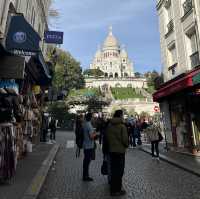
<point x="88" y="179"/>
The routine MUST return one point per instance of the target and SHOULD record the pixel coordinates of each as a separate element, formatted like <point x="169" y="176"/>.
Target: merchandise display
<point x="20" y="124"/>
<point x="8" y="151"/>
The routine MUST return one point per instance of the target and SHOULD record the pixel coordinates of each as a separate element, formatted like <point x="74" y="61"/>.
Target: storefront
<point x="22" y="69"/>
<point x="183" y="101"/>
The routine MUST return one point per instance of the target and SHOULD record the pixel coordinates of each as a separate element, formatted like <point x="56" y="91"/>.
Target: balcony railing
<point x="187" y="6"/>
<point x="195" y="61"/>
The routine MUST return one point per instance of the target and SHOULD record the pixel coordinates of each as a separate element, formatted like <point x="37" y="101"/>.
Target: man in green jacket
<point x="117" y="138"/>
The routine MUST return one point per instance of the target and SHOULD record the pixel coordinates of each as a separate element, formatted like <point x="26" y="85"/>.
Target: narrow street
<point x="144" y="178"/>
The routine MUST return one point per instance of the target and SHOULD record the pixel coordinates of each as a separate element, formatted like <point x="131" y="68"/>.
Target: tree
<point x="94" y="73"/>
<point x="158" y="81"/>
<point x="138" y="75"/>
<point x="59" y="110"/>
<point x="151" y="76"/>
<point x="68" y="73"/>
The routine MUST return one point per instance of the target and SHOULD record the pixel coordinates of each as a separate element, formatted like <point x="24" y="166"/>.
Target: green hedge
<point x="85" y="92"/>
<point x="125" y="93"/>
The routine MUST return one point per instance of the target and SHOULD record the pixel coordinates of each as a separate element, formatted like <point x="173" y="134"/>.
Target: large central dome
<point x="110" y="41"/>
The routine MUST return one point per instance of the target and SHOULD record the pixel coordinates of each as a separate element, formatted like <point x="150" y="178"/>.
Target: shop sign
<point x="53" y="37"/>
<point x="9" y="84"/>
<point x="156" y="109"/>
<point x="21" y="38"/>
<point x="196" y="79"/>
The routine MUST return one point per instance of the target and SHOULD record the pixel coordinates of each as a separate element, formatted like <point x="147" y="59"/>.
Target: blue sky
<point x="135" y="24"/>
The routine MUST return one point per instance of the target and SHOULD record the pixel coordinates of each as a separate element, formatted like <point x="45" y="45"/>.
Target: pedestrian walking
<point x="117" y="138"/>
<point x="45" y="125"/>
<point x="154" y="135"/>
<point x="137" y="133"/>
<point x="52" y="127"/>
<point x="88" y="146"/>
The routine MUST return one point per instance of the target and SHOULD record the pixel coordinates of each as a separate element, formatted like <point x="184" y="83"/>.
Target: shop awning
<point x="39" y="70"/>
<point x="21" y="38"/>
<point x="12" y="67"/>
<point x="177" y="85"/>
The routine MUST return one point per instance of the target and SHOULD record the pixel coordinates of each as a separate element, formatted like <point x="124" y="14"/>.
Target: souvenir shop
<point x="23" y="81"/>
<point x="179" y="100"/>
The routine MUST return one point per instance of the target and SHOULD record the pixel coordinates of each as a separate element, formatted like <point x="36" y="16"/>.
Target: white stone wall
<point x="126" y="82"/>
<point x="35" y="12"/>
<point x="138" y="106"/>
<point x="183" y="25"/>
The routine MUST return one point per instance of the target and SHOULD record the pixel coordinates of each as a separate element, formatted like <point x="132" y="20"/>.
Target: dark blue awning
<point x="39" y="70"/>
<point x="21" y="36"/>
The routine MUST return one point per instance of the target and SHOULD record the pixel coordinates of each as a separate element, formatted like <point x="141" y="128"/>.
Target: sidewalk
<point x="30" y="174"/>
<point x="187" y="162"/>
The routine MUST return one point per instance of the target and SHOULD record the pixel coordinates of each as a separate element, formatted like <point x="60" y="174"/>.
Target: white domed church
<point x="118" y="69"/>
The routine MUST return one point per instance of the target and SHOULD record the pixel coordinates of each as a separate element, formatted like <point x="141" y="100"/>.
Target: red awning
<point x="175" y="86"/>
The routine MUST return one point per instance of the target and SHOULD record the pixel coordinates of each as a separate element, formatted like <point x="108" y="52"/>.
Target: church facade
<point x="113" y="60"/>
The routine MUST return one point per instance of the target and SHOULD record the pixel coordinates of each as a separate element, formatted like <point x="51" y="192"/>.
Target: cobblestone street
<point x="144" y="178"/>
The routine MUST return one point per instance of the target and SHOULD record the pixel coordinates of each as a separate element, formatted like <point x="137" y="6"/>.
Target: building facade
<point x="34" y="11"/>
<point x="118" y="69"/>
<point x="112" y="59"/>
<point x="179" y="22"/>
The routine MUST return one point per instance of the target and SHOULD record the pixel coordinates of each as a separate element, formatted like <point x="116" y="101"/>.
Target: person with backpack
<point x="89" y="136"/>
<point x="155" y="137"/>
<point x="79" y="133"/>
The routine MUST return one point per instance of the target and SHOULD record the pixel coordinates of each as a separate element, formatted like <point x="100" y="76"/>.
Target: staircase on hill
<point x="106" y="92"/>
<point x="144" y="93"/>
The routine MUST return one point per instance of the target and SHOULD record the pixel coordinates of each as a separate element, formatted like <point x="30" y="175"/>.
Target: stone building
<point x="34" y="11"/>
<point x="179" y="22"/>
<point x="118" y="69"/>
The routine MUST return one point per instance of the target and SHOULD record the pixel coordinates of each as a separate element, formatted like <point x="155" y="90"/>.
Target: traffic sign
<point x="156" y="108"/>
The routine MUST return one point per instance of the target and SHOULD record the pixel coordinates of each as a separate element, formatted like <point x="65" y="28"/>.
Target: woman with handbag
<point x="155" y="137"/>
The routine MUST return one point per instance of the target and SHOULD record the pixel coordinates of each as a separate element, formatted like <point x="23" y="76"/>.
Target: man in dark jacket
<point x="117" y="138"/>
